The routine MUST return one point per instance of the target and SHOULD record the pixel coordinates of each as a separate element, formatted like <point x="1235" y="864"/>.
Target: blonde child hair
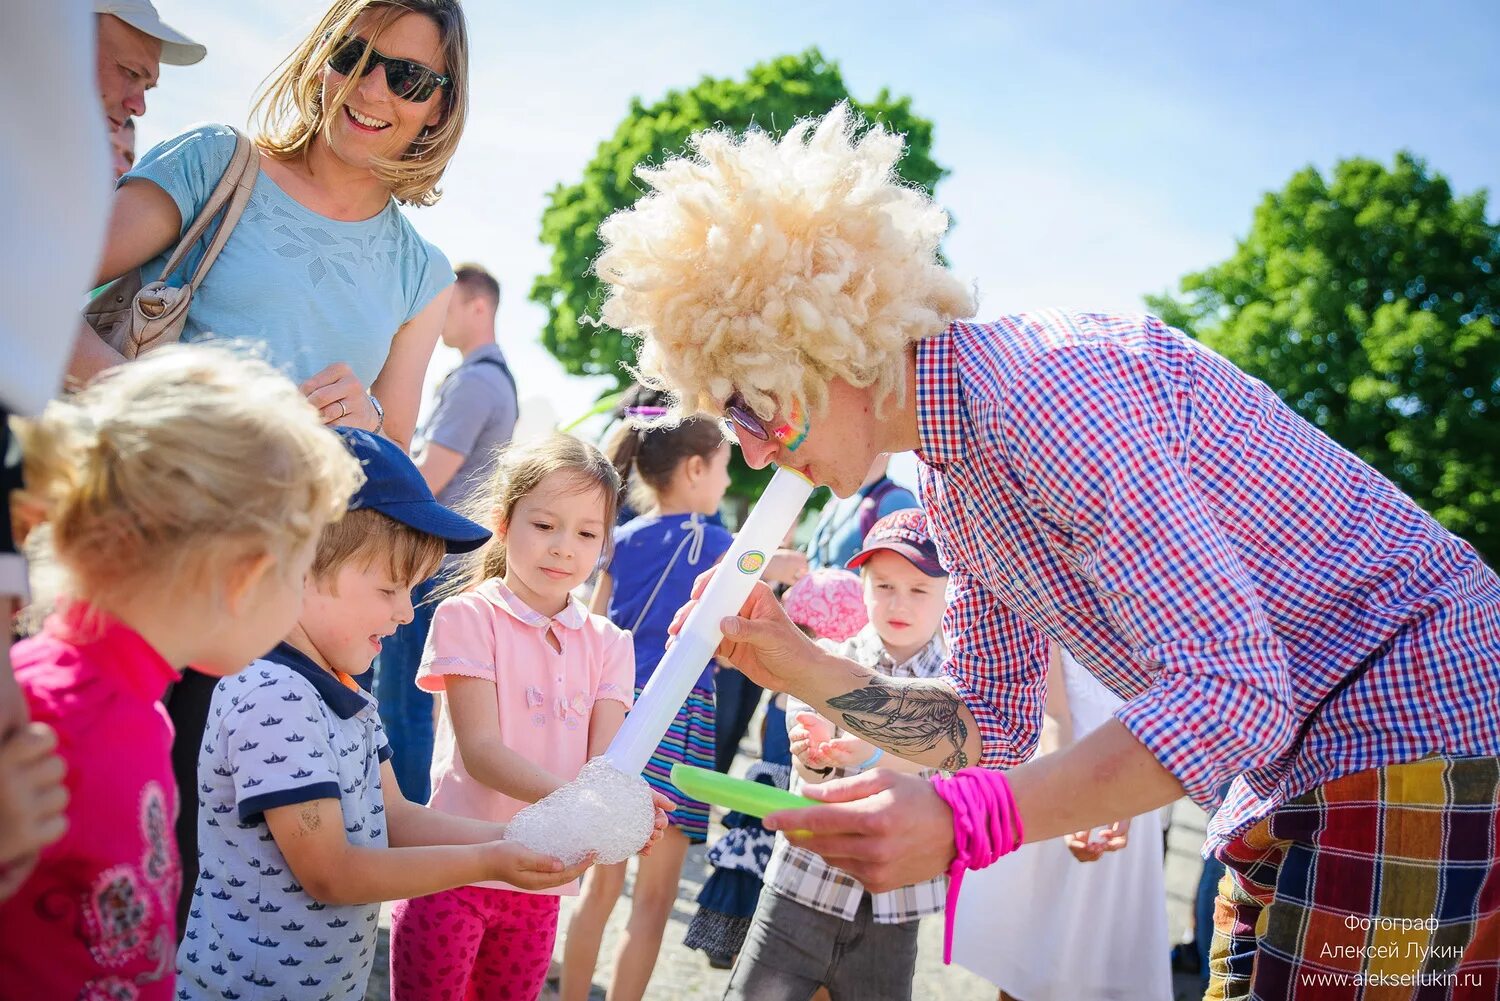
<point x="518" y="471"/>
<point x="168" y="464"/>
<point x="770" y="267"/>
<point x="291" y="111"/>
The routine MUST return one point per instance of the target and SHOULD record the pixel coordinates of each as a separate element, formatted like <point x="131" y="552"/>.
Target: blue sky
<point x="1098" y="150"/>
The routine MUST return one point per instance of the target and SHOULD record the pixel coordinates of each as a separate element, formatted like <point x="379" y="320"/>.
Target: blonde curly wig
<point x="773" y="266"/>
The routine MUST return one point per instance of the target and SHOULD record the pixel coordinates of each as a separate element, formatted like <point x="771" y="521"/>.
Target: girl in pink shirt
<point x="183" y="496"/>
<point x="533" y="686"/>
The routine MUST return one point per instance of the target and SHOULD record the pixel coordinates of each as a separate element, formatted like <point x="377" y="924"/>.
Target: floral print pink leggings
<point x="472" y="942"/>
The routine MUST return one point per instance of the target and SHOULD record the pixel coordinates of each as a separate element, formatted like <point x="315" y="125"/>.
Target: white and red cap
<point x="177" y="49"/>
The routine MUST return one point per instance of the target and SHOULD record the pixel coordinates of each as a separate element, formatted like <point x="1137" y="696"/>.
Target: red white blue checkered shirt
<point x="1210" y="556"/>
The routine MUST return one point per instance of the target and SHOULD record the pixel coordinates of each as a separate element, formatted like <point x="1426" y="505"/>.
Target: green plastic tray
<point x="754" y="798"/>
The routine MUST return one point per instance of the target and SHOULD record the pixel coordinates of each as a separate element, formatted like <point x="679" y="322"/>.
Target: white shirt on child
<point x="282" y="731"/>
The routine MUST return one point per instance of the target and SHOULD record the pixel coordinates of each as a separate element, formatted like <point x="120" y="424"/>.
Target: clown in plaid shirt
<point x="1276" y="614"/>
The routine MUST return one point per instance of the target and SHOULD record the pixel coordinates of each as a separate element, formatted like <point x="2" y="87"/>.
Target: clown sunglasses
<point x="789" y="432"/>
<point x="407" y="80"/>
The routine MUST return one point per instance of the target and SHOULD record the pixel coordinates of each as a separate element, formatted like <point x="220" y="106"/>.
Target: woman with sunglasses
<point x="322" y="269"/>
<point x="322" y="273"/>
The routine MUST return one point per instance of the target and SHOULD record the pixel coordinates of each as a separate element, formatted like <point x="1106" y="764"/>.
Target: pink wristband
<point x="986" y="825"/>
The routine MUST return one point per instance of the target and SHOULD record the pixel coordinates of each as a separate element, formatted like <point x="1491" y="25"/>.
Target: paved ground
<point x="684" y="975"/>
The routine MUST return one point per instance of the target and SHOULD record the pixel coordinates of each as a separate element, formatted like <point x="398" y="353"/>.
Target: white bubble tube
<point x="646" y="723"/>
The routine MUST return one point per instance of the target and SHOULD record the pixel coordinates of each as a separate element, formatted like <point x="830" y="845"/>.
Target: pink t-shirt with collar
<point x="97" y="917"/>
<point x="543" y="697"/>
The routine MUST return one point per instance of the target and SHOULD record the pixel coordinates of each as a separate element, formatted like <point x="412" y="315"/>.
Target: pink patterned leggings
<point x="472" y="942"/>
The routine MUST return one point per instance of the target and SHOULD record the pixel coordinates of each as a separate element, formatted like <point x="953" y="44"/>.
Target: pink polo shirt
<point x="97" y="917"/>
<point x="543" y="697"/>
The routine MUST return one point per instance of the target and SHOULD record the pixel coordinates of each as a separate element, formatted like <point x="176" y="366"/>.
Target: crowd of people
<point x="293" y="656"/>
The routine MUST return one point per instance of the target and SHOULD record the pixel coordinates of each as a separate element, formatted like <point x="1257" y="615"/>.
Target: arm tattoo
<point x="310" y="819"/>
<point x="908" y="718"/>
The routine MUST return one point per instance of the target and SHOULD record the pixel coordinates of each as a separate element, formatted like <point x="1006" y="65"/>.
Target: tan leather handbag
<point x="134" y="318"/>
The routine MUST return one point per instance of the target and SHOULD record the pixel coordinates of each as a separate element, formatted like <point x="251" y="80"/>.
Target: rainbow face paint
<point x="790" y="433"/>
<point x="793" y="431"/>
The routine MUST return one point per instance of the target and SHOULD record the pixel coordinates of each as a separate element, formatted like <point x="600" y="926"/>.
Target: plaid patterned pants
<point x="1380" y="885"/>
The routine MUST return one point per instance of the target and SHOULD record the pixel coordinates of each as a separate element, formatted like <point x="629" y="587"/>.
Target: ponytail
<point x="624" y="449"/>
<point x="647" y="456"/>
<point x="160" y="464"/>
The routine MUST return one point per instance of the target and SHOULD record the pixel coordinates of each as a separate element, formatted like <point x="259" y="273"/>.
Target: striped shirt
<point x="804" y="877"/>
<point x="1210" y="556"/>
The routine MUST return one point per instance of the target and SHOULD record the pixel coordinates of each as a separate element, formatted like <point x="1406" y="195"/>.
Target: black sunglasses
<point x="407" y="80"/>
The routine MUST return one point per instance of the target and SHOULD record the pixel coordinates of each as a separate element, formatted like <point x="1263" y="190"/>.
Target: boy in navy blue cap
<point x="302" y="830"/>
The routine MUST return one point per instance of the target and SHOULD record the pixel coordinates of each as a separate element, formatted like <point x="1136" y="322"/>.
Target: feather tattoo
<point x="909" y="718"/>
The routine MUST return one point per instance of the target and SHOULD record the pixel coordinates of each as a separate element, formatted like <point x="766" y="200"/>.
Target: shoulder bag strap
<point x="693" y="543"/>
<point x="231" y="194"/>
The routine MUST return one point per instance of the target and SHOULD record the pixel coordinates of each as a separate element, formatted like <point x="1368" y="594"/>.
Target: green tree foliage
<point x="772" y="96"/>
<point x="1370" y="302"/>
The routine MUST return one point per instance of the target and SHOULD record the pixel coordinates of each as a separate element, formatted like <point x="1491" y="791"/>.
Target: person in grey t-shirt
<point x="476" y="405"/>
<point x="474" y="417"/>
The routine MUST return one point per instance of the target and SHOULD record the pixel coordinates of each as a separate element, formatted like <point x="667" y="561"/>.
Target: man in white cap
<point x="61" y="202"/>
<point x="133" y="43"/>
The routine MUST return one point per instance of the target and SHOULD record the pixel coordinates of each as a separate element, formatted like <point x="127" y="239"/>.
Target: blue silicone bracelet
<point x="869" y="762"/>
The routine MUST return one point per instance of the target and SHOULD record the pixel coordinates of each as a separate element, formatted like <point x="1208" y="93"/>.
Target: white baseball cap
<point x="176" y="48"/>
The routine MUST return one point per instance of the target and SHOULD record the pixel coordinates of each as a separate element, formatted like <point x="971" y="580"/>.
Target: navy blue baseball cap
<point x="394" y="487"/>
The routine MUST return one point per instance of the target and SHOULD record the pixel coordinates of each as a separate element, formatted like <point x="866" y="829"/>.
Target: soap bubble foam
<point x="603" y="811"/>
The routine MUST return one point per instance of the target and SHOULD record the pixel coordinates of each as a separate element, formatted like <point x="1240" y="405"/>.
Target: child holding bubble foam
<point x="302" y="828"/>
<point x="677" y="476"/>
<point x="815" y="925"/>
<point x="532" y="686"/>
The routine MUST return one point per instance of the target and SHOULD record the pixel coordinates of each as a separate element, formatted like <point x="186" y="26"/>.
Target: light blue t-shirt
<point x="312" y="290"/>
